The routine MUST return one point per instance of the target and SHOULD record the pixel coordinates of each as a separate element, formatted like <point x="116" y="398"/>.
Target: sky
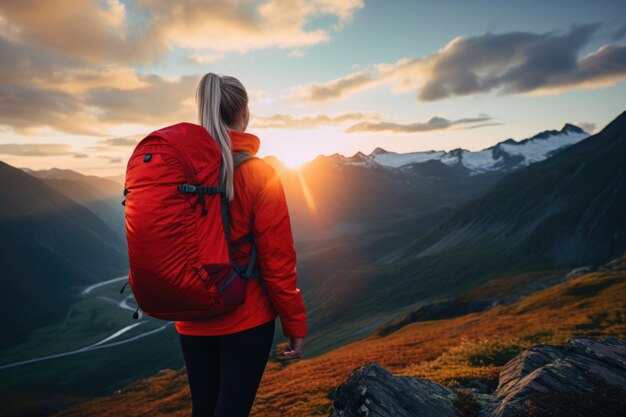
<point x="81" y="81"/>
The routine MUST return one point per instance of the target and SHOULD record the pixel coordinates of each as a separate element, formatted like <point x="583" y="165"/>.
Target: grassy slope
<point x="471" y="347"/>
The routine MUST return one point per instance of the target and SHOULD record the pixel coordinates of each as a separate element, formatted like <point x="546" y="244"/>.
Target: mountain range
<point x="410" y="247"/>
<point x="504" y="156"/>
<point x="566" y="209"/>
<point x="338" y="193"/>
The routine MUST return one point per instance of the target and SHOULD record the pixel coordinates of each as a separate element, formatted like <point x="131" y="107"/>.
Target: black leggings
<point x="224" y="371"/>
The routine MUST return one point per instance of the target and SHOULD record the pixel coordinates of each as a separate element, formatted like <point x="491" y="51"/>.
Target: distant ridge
<point x="568" y="208"/>
<point x="100" y="195"/>
<point x="49" y="244"/>
<point x="505" y="156"/>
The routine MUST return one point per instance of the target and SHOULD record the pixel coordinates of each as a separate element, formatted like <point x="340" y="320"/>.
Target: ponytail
<point x="220" y="100"/>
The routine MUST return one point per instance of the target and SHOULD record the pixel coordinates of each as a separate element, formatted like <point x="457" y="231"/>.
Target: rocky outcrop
<point x="583" y="378"/>
<point x="372" y="391"/>
<point x="570" y="378"/>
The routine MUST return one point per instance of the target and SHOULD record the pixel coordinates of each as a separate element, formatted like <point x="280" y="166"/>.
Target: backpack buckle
<point x="187" y="188"/>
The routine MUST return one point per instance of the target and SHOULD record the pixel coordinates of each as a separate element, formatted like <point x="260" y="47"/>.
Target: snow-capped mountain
<point x="504" y="156"/>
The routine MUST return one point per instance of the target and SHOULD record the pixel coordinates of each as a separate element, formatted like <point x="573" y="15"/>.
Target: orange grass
<point x="468" y="347"/>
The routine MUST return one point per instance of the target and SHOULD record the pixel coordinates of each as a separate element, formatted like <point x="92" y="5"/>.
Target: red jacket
<point x="260" y="206"/>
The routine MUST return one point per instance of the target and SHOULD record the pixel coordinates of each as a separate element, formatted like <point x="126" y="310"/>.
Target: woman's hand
<point x="296" y="346"/>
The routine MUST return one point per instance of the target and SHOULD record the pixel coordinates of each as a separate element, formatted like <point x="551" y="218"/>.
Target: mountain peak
<point x="567" y="129"/>
<point x="570" y="128"/>
<point x="378" y="151"/>
<point x="458" y="151"/>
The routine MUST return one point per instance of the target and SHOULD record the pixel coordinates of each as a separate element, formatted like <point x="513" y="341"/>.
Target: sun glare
<point x="295" y="147"/>
<point x="308" y="197"/>
<point x="294" y="159"/>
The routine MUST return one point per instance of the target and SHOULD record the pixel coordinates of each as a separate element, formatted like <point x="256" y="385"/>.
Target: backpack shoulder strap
<point x="241" y="157"/>
<point x="251" y="269"/>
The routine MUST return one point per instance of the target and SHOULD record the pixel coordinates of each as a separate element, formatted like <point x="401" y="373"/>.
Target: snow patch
<point x="536" y="150"/>
<point x="396" y="160"/>
<point x="479" y="161"/>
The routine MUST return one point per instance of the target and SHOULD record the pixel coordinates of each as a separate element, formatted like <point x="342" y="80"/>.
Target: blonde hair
<point x="220" y="100"/>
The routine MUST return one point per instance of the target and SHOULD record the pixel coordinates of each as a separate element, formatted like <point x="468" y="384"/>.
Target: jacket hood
<point x="244" y="142"/>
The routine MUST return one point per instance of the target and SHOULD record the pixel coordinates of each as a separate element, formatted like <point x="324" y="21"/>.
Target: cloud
<point x="619" y="33"/>
<point x="161" y="102"/>
<point x="259" y="97"/>
<point x="587" y="126"/>
<point x="79" y="80"/>
<point x="39" y="89"/>
<point x="68" y="68"/>
<point x="155" y="100"/>
<point x="434" y="123"/>
<point x="337" y="88"/>
<point x="478" y="126"/>
<point x="121" y="142"/>
<point x="34" y="149"/>
<point x="243" y="26"/>
<point x="282" y="121"/>
<point x="97" y="32"/>
<point x="508" y="63"/>
<point x="206" y="58"/>
<point x="85" y="30"/>
<point x="20" y="64"/>
<point x="111" y="159"/>
<point x="25" y="108"/>
<point x="80" y="155"/>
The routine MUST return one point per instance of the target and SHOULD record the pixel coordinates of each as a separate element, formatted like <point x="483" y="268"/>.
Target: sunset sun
<point x="294" y="160"/>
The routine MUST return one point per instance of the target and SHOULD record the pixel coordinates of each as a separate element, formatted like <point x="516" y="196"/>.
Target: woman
<point x="226" y="355"/>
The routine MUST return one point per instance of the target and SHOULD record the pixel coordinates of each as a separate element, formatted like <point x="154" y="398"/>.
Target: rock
<point x="617" y="263"/>
<point x="372" y="391"/>
<point x="524" y="364"/>
<point x="575" y="273"/>
<point x="572" y="380"/>
<point x="583" y="378"/>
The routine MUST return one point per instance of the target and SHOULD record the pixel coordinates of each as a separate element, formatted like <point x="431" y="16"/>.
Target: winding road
<point x="106" y="342"/>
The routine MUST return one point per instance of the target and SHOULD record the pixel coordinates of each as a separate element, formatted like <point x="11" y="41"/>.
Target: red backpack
<point x="177" y="227"/>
